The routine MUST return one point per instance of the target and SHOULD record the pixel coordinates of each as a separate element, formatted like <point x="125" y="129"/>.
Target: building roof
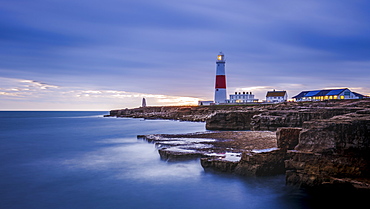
<point x="275" y="93"/>
<point x="302" y="94"/>
<point x="315" y="93"/>
<point x="335" y="92"/>
<point x="358" y="95"/>
<point x="312" y="93"/>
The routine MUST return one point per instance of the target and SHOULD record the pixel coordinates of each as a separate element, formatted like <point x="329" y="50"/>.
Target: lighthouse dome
<point x="220" y="57"/>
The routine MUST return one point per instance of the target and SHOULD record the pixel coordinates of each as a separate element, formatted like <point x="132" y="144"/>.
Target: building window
<point x="341" y="97"/>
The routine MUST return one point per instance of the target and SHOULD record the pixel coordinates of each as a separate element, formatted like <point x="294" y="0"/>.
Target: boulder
<point x="262" y="164"/>
<point x="287" y="138"/>
<point x="215" y="164"/>
<point x="179" y="155"/>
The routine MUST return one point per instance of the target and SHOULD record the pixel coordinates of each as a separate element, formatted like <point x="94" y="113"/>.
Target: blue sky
<point x="102" y="55"/>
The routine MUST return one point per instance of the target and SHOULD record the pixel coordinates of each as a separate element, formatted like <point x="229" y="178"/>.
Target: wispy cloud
<point x="33" y="93"/>
<point x="23" y="88"/>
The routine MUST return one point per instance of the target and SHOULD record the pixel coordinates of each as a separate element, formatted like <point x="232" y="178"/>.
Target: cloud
<point x="29" y="94"/>
<point x="23" y="88"/>
<point x="169" y="48"/>
<point x="37" y="85"/>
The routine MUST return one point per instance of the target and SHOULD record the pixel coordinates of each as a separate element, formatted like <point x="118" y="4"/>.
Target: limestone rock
<point x="218" y="165"/>
<point x="262" y="164"/>
<point x="230" y="121"/>
<point x="309" y="170"/>
<point x="271" y="120"/>
<point x="332" y="153"/>
<point x="287" y="138"/>
<point x="350" y="131"/>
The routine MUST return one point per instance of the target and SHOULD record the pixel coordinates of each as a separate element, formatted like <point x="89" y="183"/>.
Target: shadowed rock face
<point x="231" y="121"/>
<point x="334" y="152"/>
<point x="262" y="164"/>
<point x="218" y="165"/>
<point x="312" y="170"/>
<point x="339" y="133"/>
<point x="287" y="138"/>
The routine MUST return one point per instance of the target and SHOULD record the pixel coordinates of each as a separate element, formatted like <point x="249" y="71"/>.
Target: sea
<point x="78" y="159"/>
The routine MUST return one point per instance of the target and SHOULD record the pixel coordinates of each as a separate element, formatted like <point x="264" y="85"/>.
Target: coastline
<point x="318" y="144"/>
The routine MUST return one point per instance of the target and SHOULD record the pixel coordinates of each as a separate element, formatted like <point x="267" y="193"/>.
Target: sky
<point x="103" y="55"/>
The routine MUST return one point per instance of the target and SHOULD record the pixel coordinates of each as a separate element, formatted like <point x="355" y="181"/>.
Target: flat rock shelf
<point x="221" y="145"/>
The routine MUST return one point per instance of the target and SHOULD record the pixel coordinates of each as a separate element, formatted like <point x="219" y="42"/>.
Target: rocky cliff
<point x="248" y="117"/>
<point x="334" y="152"/>
<point x="319" y="144"/>
<point x="329" y="153"/>
<point x="273" y="119"/>
<point x="280" y="115"/>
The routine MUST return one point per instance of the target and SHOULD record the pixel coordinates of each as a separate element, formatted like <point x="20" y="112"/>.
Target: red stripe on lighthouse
<point x="220" y="82"/>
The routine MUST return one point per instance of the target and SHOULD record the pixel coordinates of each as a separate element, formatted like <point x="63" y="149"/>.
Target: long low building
<point x="327" y="94"/>
<point x="242" y="97"/>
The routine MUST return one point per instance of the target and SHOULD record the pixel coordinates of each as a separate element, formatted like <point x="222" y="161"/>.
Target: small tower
<point x="143" y="104"/>
<point x="220" y="87"/>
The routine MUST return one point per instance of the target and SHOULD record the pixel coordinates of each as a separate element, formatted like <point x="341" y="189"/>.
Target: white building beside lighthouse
<point x="242" y="98"/>
<point x="220" y="83"/>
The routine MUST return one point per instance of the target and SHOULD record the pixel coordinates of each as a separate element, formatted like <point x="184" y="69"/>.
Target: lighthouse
<point x="220" y="87"/>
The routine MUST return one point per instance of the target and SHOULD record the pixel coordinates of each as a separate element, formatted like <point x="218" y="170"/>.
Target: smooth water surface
<point x="83" y="160"/>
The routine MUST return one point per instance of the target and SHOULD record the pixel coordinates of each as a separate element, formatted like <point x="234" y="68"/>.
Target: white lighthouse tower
<point x="220" y="87"/>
